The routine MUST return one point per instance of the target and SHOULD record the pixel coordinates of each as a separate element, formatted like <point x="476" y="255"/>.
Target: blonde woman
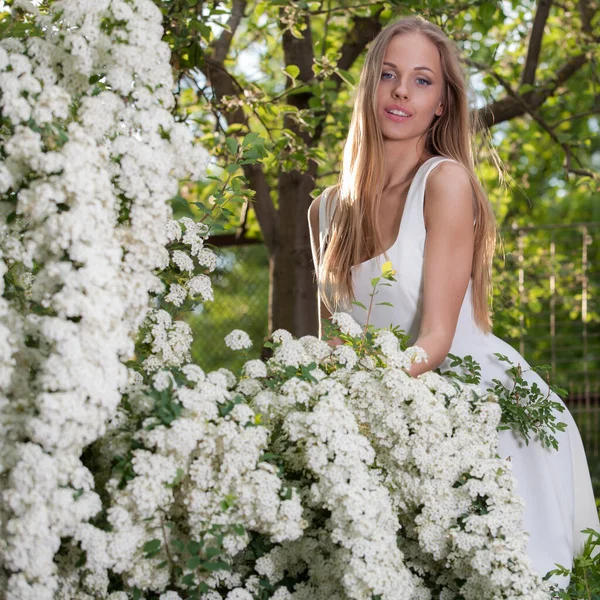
<point x="408" y="193"/>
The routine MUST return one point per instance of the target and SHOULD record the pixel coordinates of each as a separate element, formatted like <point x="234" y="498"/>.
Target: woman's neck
<point x="402" y="161"/>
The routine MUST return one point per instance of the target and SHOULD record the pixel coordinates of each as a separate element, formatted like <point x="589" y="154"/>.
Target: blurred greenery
<point x="241" y="289"/>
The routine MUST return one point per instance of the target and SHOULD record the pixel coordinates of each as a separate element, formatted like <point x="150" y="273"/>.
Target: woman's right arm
<point x="313" y="226"/>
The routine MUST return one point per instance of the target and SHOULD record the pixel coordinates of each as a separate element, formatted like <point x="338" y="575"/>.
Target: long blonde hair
<point x="353" y="230"/>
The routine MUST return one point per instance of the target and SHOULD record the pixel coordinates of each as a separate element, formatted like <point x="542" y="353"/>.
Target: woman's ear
<point x="439" y="110"/>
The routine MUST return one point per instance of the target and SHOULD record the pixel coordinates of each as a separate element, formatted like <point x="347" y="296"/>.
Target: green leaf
<point x="292" y="71"/>
<point x="385" y="304"/>
<point x="232" y="145"/>
<point x="347" y="77"/>
<point x="250" y="138"/>
<point x="357" y="303"/>
<point x="152" y="546"/>
<point x="216" y="565"/>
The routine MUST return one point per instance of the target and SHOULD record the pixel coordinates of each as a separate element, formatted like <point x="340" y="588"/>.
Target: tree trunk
<point x="292" y="290"/>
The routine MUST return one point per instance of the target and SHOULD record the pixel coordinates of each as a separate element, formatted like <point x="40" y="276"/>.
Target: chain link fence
<point x="241" y="290"/>
<point x="547" y="298"/>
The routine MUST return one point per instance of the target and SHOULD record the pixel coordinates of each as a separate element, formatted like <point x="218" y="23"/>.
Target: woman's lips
<point x="397" y="118"/>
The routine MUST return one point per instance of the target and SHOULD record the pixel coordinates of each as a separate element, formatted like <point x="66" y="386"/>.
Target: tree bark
<point x="293" y="298"/>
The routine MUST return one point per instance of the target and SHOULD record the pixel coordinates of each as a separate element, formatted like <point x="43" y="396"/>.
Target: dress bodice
<point x="407" y="257"/>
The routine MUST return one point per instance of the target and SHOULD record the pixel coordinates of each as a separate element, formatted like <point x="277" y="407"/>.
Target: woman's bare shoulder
<point x="449" y="178"/>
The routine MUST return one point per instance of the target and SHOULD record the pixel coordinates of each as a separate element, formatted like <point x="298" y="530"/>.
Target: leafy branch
<point x="525" y="408"/>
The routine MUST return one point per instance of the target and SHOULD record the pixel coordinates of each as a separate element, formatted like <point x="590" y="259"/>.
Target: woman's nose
<point x="400" y="91"/>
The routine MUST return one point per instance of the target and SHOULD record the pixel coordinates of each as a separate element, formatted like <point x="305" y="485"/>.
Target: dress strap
<point x="326" y="210"/>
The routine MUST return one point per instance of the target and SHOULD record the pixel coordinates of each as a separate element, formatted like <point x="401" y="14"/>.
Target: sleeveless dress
<point x="555" y="484"/>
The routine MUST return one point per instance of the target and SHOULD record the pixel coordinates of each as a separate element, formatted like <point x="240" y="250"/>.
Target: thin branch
<point x="241" y="89"/>
<point x="241" y="230"/>
<point x="535" y="42"/>
<point x="508" y="108"/>
<point x="331" y="10"/>
<point x="220" y="47"/>
<point x="166" y="544"/>
<point x="577" y="116"/>
<point x="363" y="31"/>
<point x="542" y="123"/>
<point x="587" y="10"/>
<point x="325" y="29"/>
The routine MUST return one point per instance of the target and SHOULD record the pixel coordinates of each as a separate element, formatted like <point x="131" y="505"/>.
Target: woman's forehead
<point x="412" y="50"/>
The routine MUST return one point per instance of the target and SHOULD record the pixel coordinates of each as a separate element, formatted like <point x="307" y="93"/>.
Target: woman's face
<point x="409" y="93"/>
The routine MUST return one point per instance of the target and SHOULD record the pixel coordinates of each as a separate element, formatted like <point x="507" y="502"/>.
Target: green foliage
<point x="525" y="408"/>
<point x="585" y="576"/>
<point x="287" y="106"/>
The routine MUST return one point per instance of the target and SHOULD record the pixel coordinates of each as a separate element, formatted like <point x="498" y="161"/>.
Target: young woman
<point x="408" y="193"/>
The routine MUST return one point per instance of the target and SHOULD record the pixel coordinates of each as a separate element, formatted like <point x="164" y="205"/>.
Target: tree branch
<point x="220" y="47"/>
<point x="363" y="31"/>
<point x="520" y="100"/>
<point x="535" y="42"/>
<point x="231" y="239"/>
<point x="508" y="108"/>
<point x="223" y="84"/>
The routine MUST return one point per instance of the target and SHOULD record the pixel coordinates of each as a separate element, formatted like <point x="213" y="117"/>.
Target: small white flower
<point x="238" y="340"/>
<point x="255" y="369"/>
<point x="170" y="596"/>
<point x="183" y="261"/>
<point x="162" y="380"/>
<point x="239" y="594"/>
<point x="206" y="258"/>
<point x="177" y="294"/>
<point x="173" y="230"/>
<point x="345" y="355"/>
<point x="281" y="335"/>
<point x="200" y="285"/>
<point x="417" y="354"/>
<point x="193" y="373"/>
<point x="347" y="324"/>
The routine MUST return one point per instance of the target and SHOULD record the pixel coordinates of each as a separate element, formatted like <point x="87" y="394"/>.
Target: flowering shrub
<point x="322" y="473"/>
<point x="90" y="156"/>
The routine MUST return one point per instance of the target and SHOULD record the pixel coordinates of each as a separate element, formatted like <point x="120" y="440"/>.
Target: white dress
<point x="555" y="484"/>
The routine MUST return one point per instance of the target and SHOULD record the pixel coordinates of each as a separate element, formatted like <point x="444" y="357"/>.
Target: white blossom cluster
<point x="204" y="469"/>
<point x="188" y="255"/>
<point x="392" y="453"/>
<point x="238" y="340"/>
<point x="91" y="156"/>
<point x="364" y="481"/>
<point x="322" y="474"/>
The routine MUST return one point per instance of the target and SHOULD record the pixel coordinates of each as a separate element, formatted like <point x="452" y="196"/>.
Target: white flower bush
<point x="90" y="157"/>
<point x="310" y="476"/>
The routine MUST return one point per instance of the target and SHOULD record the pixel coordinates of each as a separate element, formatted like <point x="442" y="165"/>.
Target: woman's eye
<point x="386" y="75"/>
<point x="422" y="81"/>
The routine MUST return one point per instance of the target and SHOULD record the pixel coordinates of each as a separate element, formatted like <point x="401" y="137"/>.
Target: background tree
<point x="286" y="71"/>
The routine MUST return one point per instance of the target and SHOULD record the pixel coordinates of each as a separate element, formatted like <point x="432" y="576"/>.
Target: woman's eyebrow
<point x="390" y="64"/>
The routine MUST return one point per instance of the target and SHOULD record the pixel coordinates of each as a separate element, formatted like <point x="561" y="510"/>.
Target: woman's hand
<point x="333" y="342"/>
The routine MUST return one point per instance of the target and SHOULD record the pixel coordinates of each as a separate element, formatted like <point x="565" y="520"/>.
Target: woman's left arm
<point x="448" y="214"/>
